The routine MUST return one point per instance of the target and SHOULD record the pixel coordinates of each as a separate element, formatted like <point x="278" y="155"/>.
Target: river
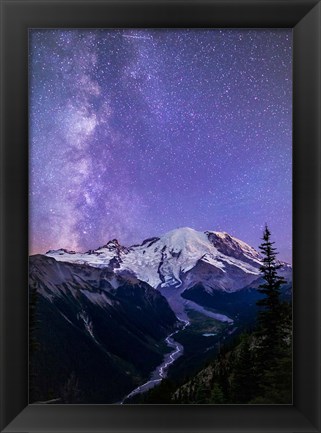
<point x="160" y="372"/>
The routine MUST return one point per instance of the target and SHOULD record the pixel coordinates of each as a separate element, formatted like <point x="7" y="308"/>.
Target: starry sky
<point x="135" y="132"/>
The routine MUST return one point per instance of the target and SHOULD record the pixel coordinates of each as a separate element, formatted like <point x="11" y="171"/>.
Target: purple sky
<point x="136" y="132"/>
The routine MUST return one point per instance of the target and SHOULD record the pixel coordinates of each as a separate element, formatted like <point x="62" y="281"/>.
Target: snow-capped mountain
<point x="178" y="259"/>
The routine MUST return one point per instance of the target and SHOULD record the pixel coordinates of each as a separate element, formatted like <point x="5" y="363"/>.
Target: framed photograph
<point x="160" y="223"/>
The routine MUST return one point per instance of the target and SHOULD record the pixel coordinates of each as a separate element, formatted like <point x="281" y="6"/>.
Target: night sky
<point x="136" y="132"/>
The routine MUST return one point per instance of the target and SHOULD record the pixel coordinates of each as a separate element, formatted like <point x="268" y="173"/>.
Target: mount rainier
<point x="179" y="260"/>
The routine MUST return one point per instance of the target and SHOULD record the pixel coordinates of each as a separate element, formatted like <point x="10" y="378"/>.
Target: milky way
<point x="136" y="132"/>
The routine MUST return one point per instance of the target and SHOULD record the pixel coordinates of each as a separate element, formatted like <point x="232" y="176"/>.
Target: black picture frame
<point x="17" y="16"/>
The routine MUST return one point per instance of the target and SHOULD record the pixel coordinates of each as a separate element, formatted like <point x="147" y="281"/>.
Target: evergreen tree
<point x="217" y="395"/>
<point x="270" y="332"/>
<point x="274" y="334"/>
<point x="244" y="381"/>
<point x="202" y="394"/>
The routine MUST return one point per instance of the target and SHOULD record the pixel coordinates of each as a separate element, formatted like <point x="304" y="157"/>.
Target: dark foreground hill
<point x="94" y="336"/>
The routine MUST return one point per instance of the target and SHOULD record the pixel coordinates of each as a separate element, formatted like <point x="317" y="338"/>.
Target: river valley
<point x="160" y="372"/>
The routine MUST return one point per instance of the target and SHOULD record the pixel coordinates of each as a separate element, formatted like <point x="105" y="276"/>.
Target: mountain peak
<point x="229" y="245"/>
<point x="221" y="234"/>
<point x="184" y="237"/>
<point x="60" y="251"/>
<point x="181" y="231"/>
<point x="111" y="245"/>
